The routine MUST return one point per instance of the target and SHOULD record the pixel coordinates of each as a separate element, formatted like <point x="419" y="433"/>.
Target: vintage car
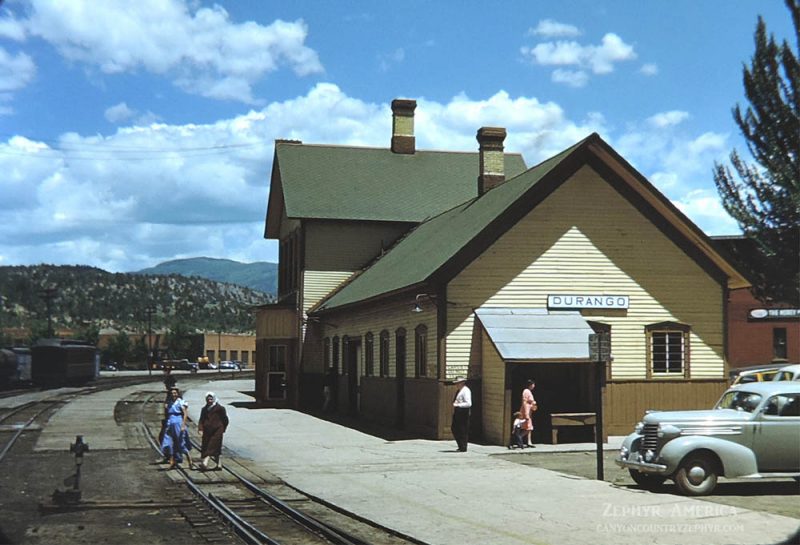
<point x="752" y="432"/>
<point x="790" y="372"/>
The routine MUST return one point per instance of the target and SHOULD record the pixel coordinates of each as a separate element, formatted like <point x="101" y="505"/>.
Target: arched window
<point x="400" y="353"/>
<point x="421" y="350"/>
<point x="335" y="355"/>
<point x="667" y="350"/>
<point x="384" y="353"/>
<point x="369" y="354"/>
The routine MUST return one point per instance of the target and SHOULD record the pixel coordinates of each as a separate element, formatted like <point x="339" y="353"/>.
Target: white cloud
<point x="11" y="29"/>
<point x="553" y="29"/>
<point x="705" y="208"/>
<point x="395" y="57"/>
<point x="154" y="192"/>
<point x="600" y="59"/>
<point x="573" y="78"/>
<point x="649" y="69"/>
<point x="667" y="119"/>
<point x="119" y="112"/>
<point x="203" y="51"/>
<point x="16" y="71"/>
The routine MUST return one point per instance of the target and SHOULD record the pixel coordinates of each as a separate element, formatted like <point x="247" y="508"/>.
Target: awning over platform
<point x="536" y="334"/>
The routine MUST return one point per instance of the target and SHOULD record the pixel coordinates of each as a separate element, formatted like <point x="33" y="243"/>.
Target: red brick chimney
<point x="492" y="160"/>
<point x="403" y="126"/>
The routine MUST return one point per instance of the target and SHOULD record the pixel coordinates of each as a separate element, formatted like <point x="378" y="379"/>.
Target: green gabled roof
<point x="350" y="183"/>
<point x="432" y="244"/>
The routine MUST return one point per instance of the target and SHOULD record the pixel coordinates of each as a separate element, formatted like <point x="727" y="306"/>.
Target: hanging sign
<point x="588" y="301"/>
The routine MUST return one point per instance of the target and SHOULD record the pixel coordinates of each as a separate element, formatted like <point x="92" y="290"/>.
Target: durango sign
<point x="588" y="301"/>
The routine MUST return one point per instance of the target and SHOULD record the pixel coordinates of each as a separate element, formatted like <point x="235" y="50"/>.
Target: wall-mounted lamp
<point x="417" y="305"/>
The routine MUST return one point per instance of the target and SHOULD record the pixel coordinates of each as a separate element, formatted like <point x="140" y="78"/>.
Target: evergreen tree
<point x="119" y="348"/>
<point x="765" y="201"/>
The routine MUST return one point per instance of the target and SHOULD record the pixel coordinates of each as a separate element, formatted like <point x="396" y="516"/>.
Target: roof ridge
<point x="299" y="144"/>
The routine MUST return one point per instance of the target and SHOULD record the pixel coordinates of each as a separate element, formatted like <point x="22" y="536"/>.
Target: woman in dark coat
<point x="212" y="425"/>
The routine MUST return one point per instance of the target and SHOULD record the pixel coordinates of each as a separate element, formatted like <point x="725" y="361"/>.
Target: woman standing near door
<point x="526" y="410"/>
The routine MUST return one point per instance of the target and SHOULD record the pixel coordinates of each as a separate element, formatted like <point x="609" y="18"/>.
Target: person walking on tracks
<point x="462" y="405"/>
<point x="212" y="425"/>
<point x="176" y="438"/>
<point x="169" y="384"/>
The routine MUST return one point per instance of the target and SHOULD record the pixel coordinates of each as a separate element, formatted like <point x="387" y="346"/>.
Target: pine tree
<point x="765" y="201"/>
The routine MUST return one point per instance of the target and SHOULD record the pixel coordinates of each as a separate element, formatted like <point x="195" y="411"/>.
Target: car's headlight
<point x="623" y="452"/>
<point x="639" y="428"/>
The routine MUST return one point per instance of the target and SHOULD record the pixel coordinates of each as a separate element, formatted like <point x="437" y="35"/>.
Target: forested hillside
<point x="86" y="296"/>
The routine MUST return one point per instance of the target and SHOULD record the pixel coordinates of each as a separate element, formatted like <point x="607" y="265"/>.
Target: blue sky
<point x="137" y="132"/>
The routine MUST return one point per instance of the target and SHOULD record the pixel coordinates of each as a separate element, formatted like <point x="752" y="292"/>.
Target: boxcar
<point x="8" y="367"/>
<point x="59" y="362"/>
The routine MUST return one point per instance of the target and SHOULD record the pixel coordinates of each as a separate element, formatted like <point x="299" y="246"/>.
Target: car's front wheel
<point x="697" y="475"/>
<point x="646" y="480"/>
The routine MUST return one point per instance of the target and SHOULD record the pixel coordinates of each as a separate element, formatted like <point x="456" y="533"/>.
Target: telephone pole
<point x="149" y="311"/>
<point x="48" y="294"/>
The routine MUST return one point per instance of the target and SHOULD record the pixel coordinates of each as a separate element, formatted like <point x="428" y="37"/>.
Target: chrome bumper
<point x="634" y="461"/>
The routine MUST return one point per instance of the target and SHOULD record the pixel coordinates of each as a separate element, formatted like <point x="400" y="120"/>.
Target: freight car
<point x="60" y="362"/>
<point x="8" y="367"/>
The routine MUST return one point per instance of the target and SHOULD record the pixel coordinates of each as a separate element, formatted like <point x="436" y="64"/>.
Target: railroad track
<point x="267" y="511"/>
<point x="22" y="418"/>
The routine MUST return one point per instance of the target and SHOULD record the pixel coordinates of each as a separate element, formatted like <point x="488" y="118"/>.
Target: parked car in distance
<point x="755" y="373"/>
<point x="228" y="364"/>
<point x="790" y="372"/>
<point x="110" y="366"/>
<point x="753" y="432"/>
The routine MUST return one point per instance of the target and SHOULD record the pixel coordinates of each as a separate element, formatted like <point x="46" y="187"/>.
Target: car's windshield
<point x="739" y="400"/>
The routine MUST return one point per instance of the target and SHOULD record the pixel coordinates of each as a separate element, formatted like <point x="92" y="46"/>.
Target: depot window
<point x="421" y="350"/>
<point x="384" y="353"/>
<point x="667" y="350"/>
<point x="369" y="354"/>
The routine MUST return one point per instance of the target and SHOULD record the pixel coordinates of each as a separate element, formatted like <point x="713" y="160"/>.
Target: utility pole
<point x="149" y="311"/>
<point x="48" y="294"/>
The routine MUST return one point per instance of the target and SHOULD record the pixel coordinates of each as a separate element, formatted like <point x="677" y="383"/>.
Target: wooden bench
<point x="560" y="420"/>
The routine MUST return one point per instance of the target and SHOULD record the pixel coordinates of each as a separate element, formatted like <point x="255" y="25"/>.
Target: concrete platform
<point x="427" y="490"/>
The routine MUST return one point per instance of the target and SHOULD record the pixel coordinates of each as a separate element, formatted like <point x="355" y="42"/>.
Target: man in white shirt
<point x="461" y="409"/>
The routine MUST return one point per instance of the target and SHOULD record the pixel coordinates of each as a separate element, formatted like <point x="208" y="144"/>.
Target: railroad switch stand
<point x="73" y="496"/>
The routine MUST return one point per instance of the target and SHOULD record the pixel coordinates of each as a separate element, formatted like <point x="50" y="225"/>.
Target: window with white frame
<point x="668" y="350"/>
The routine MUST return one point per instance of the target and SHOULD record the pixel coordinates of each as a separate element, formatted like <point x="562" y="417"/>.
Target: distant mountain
<point x="260" y="276"/>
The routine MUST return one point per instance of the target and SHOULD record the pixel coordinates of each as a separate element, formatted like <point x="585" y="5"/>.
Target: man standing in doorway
<point x="462" y="405"/>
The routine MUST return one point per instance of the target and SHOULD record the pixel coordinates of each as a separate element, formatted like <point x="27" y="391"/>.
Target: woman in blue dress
<point x="176" y="436"/>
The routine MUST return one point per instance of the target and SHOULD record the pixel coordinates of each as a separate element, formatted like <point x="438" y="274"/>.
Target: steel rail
<point x="300" y="518"/>
<point x="308" y="522"/>
<point x="49" y="403"/>
<point x="243" y="529"/>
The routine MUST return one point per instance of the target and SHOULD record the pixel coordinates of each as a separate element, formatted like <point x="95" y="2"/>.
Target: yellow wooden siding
<point x="276" y="323"/>
<point x="342" y="246"/>
<point x="494" y="391"/>
<point x="586" y="238"/>
<point x="318" y="284"/>
<point x="390" y="317"/>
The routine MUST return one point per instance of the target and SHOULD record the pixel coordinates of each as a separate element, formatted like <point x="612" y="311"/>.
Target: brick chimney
<point x="403" y="125"/>
<point x="492" y="161"/>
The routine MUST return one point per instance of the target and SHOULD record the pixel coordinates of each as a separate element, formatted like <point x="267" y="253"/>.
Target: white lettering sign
<point x="588" y="301"/>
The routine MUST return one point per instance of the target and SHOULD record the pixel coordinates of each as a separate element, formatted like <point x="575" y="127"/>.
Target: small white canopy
<point x="536" y="333"/>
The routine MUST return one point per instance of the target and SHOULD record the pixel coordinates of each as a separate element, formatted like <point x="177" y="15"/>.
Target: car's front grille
<point x="650" y="439"/>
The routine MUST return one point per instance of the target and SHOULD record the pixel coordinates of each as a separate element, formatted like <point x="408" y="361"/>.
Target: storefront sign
<point x="774" y="313"/>
<point x="588" y="301"/>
